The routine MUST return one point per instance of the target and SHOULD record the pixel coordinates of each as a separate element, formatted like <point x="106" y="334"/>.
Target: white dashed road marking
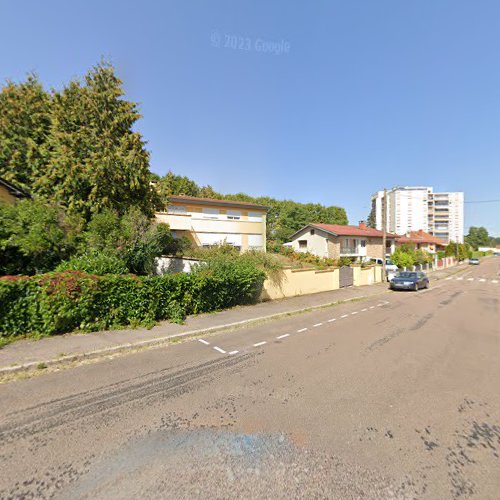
<point x="470" y="279"/>
<point x="482" y="280"/>
<point x="258" y="344"/>
<point x="285" y="335"/>
<point x="494" y="281"/>
<point x="449" y="278"/>
<point x="459" y="279"/>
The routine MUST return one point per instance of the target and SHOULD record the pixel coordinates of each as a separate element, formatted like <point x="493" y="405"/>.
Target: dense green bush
<point x="221" y="257"/>
<point x="94" y="263"/>
<point x="132" y="237"/>
<point x="66" y="301"/>
<point x="35" y="237"/>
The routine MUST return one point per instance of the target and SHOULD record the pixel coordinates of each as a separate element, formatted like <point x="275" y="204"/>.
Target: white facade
<point x="446" y="216"/>
<point x="414" y="208"/>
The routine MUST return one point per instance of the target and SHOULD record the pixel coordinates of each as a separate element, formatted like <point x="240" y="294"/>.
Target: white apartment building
<point x="414" y="208"/>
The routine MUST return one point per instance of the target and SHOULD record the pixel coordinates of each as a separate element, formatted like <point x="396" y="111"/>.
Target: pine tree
<point x="96" y="159"/>
<point x="24" y="129"/>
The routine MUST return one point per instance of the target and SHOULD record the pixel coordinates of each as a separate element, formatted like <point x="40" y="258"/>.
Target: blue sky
<point x="370" y="93"/>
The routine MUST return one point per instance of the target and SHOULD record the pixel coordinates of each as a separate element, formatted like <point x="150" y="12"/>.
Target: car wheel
<point x="416" y="287"/>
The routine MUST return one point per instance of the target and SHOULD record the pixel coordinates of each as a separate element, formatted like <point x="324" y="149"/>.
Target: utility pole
<point x="384" y="233"/>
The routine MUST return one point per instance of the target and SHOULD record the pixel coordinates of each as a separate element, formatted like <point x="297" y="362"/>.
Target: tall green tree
<point x="96" y="160"/>
<point x="478" y="237"/>
<point x="24" y="129"/>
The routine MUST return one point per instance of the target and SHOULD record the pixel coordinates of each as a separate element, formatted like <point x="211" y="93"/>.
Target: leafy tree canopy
<point x="478" y="237"/>
<point x="76" y="147"/>
<point x="24" y="128"/>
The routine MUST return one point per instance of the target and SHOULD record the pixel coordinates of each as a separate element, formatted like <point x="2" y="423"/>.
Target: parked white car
<point x="390" y="268"/>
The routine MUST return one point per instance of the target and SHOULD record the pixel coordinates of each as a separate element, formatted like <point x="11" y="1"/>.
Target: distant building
<point x="422" y="241"/>
<point x="10" y="193"/>
<point x="413" y="208"/>
<point x="208" y="222"/>
<point x="335" y="241"/>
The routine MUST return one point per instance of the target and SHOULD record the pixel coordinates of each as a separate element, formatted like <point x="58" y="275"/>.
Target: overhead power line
<point x="483" y="201"/>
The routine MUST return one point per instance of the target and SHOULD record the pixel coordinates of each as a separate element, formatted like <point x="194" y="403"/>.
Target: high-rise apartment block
<point x="412" y="208"/>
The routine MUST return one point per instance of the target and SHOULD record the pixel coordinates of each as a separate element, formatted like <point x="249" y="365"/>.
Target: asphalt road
<point x="393" y="397"/>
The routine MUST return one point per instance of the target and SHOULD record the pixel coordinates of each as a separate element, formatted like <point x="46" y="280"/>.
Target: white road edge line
<point x="355" y="312"/>
<point x="344" y="316"/>
<point x="203" y="341"/>
<point x="220" y="350"/>
<point x="318" y="324"/>
<point x="372" y="307"/>
<point x="233" y="352"/>
<point x="301" y="330"/>
<point x="459" y="279"/>
<point x="332" y="320"/>
<point x="470" y="279"/>
<point x="258" y="344"/>
<point x="365" y="309"/>
<point x="449" y="278"/>
<point x="494" y="281"/>
<point x="283" y="336"/>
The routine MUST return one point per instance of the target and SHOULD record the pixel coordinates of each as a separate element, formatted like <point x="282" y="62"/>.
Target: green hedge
<point x="67" y="301"/>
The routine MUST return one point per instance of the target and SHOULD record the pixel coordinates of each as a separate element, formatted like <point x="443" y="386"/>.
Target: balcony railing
<point x="348" y="251"/>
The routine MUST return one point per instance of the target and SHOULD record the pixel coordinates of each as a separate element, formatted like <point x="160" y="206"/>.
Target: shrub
<point x="226" y="256"/>
<point x="94" y="263"/>
<point x="133" y="238"/>
<point x="35" y="236"/>
<point x="403" y="257"/>
<point x="61" y="302"/>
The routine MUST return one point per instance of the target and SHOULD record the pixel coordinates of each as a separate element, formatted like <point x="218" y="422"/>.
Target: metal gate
<point x="346" y="276"/>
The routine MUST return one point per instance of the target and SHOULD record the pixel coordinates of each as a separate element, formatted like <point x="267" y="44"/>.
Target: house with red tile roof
<point x="423" y="241"/>
<point x="335" y="241"/>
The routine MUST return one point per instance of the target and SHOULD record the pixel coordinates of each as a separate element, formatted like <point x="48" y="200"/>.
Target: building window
<point x="255" y="241"/>
<point x="254" y="216"/>
<point x="363" y="243"/>
<point x="303" y="244"/>
<point x="176" y="209"/>
<point x="312" y="231"/>
<point x="233" y="215"/>
<point x="210" y="213"/>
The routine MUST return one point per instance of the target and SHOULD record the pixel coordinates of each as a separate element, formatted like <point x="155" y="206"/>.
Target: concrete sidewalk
<point x="28" y="354"/>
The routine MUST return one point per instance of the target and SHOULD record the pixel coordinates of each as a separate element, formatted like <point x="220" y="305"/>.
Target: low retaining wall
<point x="301" y="282"/>
<point x="367" y="275"/>
<point x="305" y="281"/>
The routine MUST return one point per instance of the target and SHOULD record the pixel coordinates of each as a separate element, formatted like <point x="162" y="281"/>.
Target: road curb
<point x="160" y="341"/>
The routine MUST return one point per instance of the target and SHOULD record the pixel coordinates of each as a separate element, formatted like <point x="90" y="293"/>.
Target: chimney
<point x="362" y="224"/>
